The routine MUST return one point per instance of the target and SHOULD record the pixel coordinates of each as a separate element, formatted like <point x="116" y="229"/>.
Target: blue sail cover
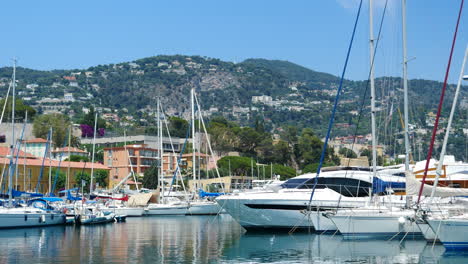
<point x="16" y="193"/>
<point x="380" y="186"/>
<point x="71" y="197"/>
<point x="202" y="194"/>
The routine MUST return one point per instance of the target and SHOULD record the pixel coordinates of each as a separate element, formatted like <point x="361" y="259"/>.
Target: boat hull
<point x="94" y="220"/>
<point x="21" y="220"/>
<point x="203" y="208"/>
<point x="166" y="209"/>
<point x="452" y="233"/>
<point x="128" y="211"/>
<point x="375" y="227"/>
<point x="262" y="216"/>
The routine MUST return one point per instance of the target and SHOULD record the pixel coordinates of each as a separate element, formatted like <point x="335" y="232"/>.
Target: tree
<point x="61" y="179"/>
<point x="178" y="127"/>
<point x="347" y="153"/>
<point x="20" y="109"/>
<point x="59" y="124"/>
<point x="101" y="177"/>
<point x="239" y="166"/>
<point x="88" y="119"/>
<point x="151" y="177"/>
<point x="77" y="158"/>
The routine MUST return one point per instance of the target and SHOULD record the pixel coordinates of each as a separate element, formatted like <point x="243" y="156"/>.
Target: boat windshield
<point x="346" y="186"/>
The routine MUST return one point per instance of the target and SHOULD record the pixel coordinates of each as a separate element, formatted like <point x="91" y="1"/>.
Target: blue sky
<point x="59" y="34"/>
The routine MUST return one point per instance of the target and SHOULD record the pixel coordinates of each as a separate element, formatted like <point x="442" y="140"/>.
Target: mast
<point x="372" y="88"/>
<point x="50" y="159"/>
<point x="10" y="178"/>
<point x="69" y="157"/>
<point x="24" y="156"/>
<point x="160" y="152"/>
<point x="405" y="86"/>
<point x="92" y="158"/>
<point x="449" y="124"/>
<point x="194" y="172"/>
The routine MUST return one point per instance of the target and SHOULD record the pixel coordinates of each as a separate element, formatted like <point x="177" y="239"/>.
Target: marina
<point x="191" y="159"/>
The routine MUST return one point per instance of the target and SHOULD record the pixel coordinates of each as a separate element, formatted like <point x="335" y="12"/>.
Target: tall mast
<point x="160" y="152"/>
<point x="10" y="178"/>
<point x="405" y="85"/>
<point x="449" y="125"/>
<point x="69" y="154"/>
<point x="92" y="158"/>
<point x="192" y="100"/>
<point x="372" y="87"/>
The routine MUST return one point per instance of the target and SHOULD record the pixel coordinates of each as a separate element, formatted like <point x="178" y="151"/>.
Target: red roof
<point x="5" y="151"/>
<point x="54" y="163"/>
<point x="36" y="140"/>
<point x="72" y="149"/>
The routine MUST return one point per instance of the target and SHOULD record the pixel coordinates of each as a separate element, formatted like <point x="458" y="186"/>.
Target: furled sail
<point x="413" y="186"/>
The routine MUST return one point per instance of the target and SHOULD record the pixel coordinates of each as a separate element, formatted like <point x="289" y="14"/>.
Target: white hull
<point x="453" y="233"/>
<point x="375" y="225"/>
<point x="322" y="223"/>
<point x="128" y="211"/>
<point x="427" y="232"/>
<point x="18" y="217"/>
<point x="203" y="208"/>
<point x="268" y="214"/>
<point x="166" y="209"/>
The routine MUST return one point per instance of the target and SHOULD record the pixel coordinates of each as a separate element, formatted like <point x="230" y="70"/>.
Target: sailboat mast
<point x="194" y="171"/>
<point x="92" y="158"/>
<point x="372" y="88"/>
<point x="10" y="178"/>
<point x="405" y="85"/>
<point x="160" y="153"/>
<point x="449" y="125"/>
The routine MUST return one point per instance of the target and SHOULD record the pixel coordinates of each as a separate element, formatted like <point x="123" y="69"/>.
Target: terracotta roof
<point x="72" y="149"/>
<point x="5" y="151"/>
<point x="198" y="154"/>
<point x="54" y="163"/>
<point x="35" y="140"/>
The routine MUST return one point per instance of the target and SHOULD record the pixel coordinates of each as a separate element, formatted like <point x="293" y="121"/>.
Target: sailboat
<point x="165" y="205"/>
<point x="13" y="214"/>
<point x="199" y="206"/>
<point x="392" y="222"/>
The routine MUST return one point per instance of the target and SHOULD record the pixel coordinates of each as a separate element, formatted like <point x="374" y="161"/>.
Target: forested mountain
<point x="292" y="94"/>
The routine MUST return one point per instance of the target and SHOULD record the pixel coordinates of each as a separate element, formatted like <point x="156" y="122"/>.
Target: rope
<point x="441" y="101"/>
<point x="59" y="165"/>
<point x="337" y="98"/>
<point x="49" y="136"/>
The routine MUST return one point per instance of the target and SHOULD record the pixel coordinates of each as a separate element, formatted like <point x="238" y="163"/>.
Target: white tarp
<point x="140" y="199"/>
<point x="413" y="186"/>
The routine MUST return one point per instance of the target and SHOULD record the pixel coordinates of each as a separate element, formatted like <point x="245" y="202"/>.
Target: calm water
<point x="201" y="240"/>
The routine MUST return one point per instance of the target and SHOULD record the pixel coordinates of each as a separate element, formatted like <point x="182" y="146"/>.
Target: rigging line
<point x="365" y="92"/>
<point x="59" y="165"/>
<point x="337" y="98"/>
<point x="367" y="83"/>
<point x="441" y="101"/>
<point x="43" y="161"/>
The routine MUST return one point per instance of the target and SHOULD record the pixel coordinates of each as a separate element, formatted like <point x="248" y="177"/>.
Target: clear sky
<point x="58" y="34"/>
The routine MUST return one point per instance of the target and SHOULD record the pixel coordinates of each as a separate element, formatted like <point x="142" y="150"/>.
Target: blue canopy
<point x="50" y="199"/>
<point x="208" y="194"/>
<point x="381" y="186"/>
<point x="16" y="193"/>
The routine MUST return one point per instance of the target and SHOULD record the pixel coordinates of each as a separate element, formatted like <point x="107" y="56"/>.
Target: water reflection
<point x="202" y="240"/>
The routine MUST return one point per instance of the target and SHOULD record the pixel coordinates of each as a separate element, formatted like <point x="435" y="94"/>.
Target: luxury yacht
<point x="289" y="206"/>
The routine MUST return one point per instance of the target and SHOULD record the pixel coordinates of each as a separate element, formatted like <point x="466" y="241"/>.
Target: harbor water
<point x="203" y="239"/>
